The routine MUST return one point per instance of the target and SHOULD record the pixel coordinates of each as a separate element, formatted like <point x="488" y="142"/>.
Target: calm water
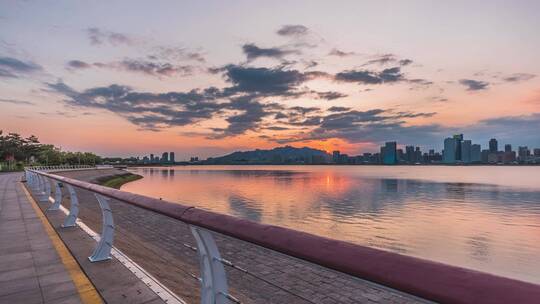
<point x="485" y="218"/>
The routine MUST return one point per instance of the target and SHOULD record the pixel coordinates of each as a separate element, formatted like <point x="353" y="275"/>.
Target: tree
<point x="14" y="148"/>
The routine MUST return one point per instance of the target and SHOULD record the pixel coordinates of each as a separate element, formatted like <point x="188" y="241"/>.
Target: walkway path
<point x="35" y="267"/>
<point x="43" y="263"/>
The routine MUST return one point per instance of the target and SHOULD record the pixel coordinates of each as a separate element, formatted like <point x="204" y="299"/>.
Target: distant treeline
<point x="16" y="152"/>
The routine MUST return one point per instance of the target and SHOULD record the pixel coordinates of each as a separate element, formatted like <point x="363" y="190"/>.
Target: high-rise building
<point x="165" y="158"/>
<point x="493" y="158"/>
<point x="409" y="154"/>
<point x="400" y="155"/>
<point x="449" y="152"/>
<point x="336" y="156"/>
<point x="459" y="139"/>
<point x="417" y="155"/>
<point x="507" y="148"/>
<point x="476" y="155"/>
<point x="484" y="156"/>
<point x="493" y="146"/>
<point x="536" y="152"/>
<point x="466" y="146"/>
<point x="390" y="154"/>
<point x="508" y="156"/>
<point x="171" y="157"/>
<point x="523" y="153"/>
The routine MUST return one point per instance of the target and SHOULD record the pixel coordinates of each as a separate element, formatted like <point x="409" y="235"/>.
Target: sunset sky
<point x="203" y="78"/>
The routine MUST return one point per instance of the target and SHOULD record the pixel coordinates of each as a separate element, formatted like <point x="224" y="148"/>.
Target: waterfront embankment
<point x="117" y="180"/>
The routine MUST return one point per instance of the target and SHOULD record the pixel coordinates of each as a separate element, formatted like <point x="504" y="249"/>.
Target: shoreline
<point x="118" y="180"/>
<point x="330" y="164"/>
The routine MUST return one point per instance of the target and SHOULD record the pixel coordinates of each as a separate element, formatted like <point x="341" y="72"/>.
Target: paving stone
<point x="54" y="278"/>
<point x="32" y="296"/>
<point x="72" y="299"/>
<point x="50" y="268"/>
<point x="17" y="274"/>
<point x="13" y="264"/>
<point x="18" y="285"/>
<point x="59" y="290"/>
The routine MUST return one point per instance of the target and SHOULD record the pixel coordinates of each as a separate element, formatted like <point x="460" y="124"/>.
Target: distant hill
<point x="280" y="155"/>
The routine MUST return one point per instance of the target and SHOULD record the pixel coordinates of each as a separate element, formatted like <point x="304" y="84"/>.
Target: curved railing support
<point x="48" y="190"/>
<point x="71" y="218"/>
<point x="57" y="196"/>
<point x="214" y="289"/>
<point x="104" y="246"/>
<point x="32" y="180"/>
<point x="44" y="190"/>
<point x="39" y="184"/>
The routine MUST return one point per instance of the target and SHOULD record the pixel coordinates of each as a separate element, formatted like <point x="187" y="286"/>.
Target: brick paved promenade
<point x="156" y="243"/>
<point x="31" y="270"/>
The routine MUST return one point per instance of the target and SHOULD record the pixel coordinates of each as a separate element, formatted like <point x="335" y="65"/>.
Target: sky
<point x="204" y="78"/>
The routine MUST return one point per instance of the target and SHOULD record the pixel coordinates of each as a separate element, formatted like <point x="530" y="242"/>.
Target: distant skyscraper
<point x="390" y="154"/>
<point x="459" y="139"/>
<point x="336" y="156"/>
<point x="450" y="146"/>
<point x="493" y="146"/>
<point x="507" y="148"/>
<point x="165" y="157"/>
<point x="484" y="156"/>
<point x="171" y="157"/>
<point x="466" y="147"/>
<point x="523" y="153"/>
<point x="409" y="153"/>
<point x="476" y="154"/>
<point x="400" y="156"/>
<point x="417" y="155"/>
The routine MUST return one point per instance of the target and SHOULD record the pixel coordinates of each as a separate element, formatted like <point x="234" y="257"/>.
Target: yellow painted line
<point x="87" y="291"/>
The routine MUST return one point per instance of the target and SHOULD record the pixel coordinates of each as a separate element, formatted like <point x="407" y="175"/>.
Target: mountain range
<point x="279" y="155"/>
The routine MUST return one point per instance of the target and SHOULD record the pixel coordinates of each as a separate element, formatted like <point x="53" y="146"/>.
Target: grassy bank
<point x="116" y="181"/>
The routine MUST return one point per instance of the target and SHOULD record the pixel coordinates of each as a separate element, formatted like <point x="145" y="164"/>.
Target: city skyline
<point x="460" y="151"/>
<point x="198" y="81"/>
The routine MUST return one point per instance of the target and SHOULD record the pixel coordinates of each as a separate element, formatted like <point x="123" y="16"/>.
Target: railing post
<point x="214" y="289"/>
<point x="35" y="182"/>
<point x="57" y="196"/>
<point x="47" y="190"/>
<point x="39" y="183"/>
<point x="41" y="187"/>
<point x="30" y="180"/>
<point x="103" y="248"/>
<point x="71" y="218"/>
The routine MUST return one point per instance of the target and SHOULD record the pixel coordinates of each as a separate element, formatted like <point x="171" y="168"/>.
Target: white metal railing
<point x="213" y="280"/>
<point x="67" y="168"/>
